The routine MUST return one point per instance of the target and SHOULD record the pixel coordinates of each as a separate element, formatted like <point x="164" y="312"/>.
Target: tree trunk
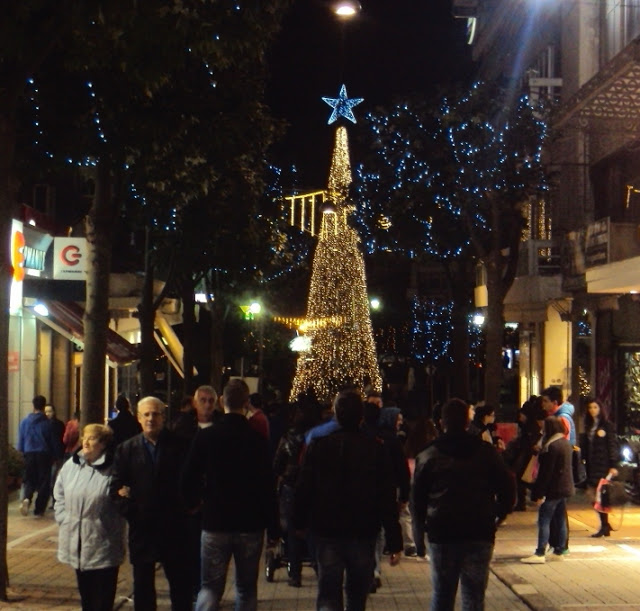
<point x="7" y="212"/>
<point x="217" y="351"/>
<point x="188" y="327"/>
<point x="146" y="314"/>
<point x="494" y="329"/>
<point x="99" y="225"/>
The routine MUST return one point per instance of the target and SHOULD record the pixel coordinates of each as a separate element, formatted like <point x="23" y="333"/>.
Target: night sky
<point x="392" y="49"/>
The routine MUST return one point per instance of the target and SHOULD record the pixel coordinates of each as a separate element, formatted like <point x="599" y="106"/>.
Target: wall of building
<point x="557" y="352"/>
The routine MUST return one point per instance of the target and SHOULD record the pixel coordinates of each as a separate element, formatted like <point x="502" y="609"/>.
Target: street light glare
<point x="255" y="308"/>
<point x="375" y="303"/>
<point x="346" y="8"/>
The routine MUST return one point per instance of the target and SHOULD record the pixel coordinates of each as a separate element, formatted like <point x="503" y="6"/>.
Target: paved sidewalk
<point x="598" y="574"/>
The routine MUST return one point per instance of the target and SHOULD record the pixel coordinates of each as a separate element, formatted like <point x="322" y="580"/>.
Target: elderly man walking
<point x="229" y="473"/>
<point x="146" y="487"/>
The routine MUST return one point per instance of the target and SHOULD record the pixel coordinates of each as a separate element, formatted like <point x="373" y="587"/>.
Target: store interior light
<point x="41" y="309"/>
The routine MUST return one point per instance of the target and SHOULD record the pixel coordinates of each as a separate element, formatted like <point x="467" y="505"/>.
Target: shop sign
<point x="69" y="258"/>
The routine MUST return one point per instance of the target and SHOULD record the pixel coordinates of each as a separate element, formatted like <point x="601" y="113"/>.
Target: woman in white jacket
<point x="91" y="535"/>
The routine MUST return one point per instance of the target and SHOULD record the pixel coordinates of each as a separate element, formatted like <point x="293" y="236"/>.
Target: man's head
<point x="255" y="402"/>
<point x="122" y="404"/>
<point x="375" y="398"/>
<point x="204" y="400"/>
<point x="151" y="415"/>
<point x="50" y="411"/>
<point x="349" y="409"/>
<point x="236" y="396"/>
<point x="38" y="403"/>
<point x="551" y="399"/>
<point x="455" y="416"/>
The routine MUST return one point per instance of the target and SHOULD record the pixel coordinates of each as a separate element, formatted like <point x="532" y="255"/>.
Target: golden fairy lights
<point x="342" y="348"/>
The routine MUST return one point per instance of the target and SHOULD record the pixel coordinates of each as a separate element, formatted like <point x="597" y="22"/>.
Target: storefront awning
<point x="67" y="318"/>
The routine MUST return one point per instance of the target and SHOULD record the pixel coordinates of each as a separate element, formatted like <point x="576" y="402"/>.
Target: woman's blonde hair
<point x="102" y="432"/>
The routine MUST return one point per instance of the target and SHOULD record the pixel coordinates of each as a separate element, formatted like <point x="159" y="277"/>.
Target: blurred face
<point x="377" y="401"/>
<point x="205" y="404"/>
<point x="547" y="404"/>
<point x="151" y="419"/>
<point x="49" y="412"/>
<point x="594" y="410"/>
<point x="399" y="421"/>
<point x="92" y="448"/>
<point x="490" y="418"/>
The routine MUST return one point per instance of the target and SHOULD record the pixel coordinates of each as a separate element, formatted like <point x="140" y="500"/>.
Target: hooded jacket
<point x="91" y="534"/>
<point x="566" y="411"/>
<point x="555" y="472"/>
<point x="460" y="485"/>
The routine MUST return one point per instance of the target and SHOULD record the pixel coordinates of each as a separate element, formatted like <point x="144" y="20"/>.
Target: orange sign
<point x="17" y="255"/>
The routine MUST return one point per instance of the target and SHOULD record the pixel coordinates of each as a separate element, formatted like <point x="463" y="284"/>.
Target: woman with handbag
<point x="600" y="451"/>
<point x="552" y="488"/>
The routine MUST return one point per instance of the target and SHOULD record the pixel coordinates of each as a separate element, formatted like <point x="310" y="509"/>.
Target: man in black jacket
<point x="228" y="472"/>
<point x="146" y="486"/>
<point x="344" y="494"/>
<point x="460" y="486"/>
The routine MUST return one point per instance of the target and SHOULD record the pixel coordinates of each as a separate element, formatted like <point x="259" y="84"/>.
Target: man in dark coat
<point x="228" y="473"/>
<point x="124" y="425"/>
<point x="345" y="493"/>
<point x="146" y="486"/>
<point x="460" y="486"/>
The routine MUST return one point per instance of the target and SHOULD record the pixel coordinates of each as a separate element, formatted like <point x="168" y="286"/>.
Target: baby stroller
<point x="278" y="556"/>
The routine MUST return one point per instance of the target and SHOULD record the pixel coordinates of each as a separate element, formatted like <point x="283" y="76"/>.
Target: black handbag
<point x="579" y="468"/>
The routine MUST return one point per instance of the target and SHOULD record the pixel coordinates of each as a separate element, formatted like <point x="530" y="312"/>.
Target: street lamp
<point x="375" y="303"/>
<point x="346" y="9"/>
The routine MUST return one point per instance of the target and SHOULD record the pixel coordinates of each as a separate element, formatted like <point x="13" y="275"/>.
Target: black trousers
<point x="98" y="588"/>
<point x="176" y="569"/>
<point x="37" y="477"/>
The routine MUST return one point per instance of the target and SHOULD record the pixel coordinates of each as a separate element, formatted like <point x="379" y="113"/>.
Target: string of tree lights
<point x="449" y="182"/>
<point x="341" y="350"/>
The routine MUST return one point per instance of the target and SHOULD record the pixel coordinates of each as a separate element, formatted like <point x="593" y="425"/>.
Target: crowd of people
<point x="337" y="486"/>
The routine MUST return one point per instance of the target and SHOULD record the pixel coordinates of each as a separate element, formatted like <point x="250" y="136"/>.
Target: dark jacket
<point x="600" y="451"/>
<point x="555" y="472"/>
<point x="228" y="467"/>
<point x="345" y="490"/>
<point x="155" y="511"/>
<point x="460" y="485"/>
<point x="393" y="449"/>
<point x="124" y="426"/>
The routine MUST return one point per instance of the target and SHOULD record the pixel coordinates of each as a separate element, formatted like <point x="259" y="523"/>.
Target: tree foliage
<point x="447" y="183"/>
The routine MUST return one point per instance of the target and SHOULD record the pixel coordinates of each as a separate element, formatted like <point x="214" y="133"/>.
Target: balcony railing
<point x="538" y="258"/>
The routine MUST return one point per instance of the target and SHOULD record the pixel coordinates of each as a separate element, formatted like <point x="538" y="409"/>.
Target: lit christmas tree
<point x="341" y="348"/>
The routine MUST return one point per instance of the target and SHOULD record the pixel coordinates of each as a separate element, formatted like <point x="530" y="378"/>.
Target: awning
<point x="67" y="318"/>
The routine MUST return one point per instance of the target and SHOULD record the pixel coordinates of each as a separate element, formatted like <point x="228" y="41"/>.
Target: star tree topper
<point x="342" y="106"/>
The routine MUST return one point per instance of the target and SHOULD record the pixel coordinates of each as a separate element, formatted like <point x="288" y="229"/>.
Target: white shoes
<point x="533" y="559"/>
<point x="24" y="506"/>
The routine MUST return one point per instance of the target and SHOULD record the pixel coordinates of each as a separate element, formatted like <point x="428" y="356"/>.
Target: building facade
<point x="576" y="299"/>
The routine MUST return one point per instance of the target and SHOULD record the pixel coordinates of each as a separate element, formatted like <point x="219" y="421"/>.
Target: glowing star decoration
<point x="342" y="106"/>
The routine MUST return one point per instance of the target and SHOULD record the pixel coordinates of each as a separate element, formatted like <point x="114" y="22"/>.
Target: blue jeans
<point x="466" y="562"/>
<point x="335" y="556"/>
<point x="217" y="549"/>
<point x="552" y="512"/>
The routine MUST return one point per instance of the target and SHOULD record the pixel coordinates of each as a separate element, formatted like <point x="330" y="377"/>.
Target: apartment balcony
<point x="538" y="282"/>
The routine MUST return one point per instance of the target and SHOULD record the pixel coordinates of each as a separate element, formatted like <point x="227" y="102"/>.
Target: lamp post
<point x="254" y="310"/>
<point x="344" y="10"/>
